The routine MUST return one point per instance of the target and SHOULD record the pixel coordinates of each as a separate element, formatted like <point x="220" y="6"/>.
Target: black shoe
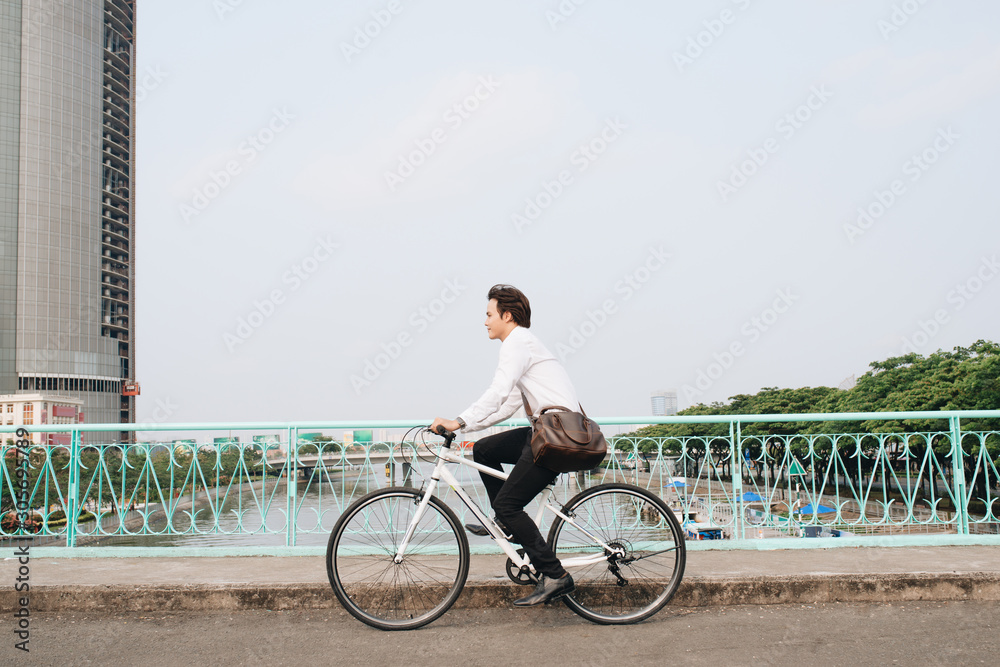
<point x="481" y="531"/>
<point x="476" y="529"/>
<point x="548" y="589"/>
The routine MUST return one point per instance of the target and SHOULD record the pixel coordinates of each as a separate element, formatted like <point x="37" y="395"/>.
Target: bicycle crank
<point x="523" y="576"/>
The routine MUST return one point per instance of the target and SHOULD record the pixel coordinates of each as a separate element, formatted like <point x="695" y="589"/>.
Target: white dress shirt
<point x="525" y="365"/>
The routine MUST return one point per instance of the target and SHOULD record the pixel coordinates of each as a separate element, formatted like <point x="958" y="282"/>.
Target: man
<point x="525" y="366"/>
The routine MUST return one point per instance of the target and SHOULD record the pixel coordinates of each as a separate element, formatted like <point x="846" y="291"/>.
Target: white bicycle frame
<point x="445" y="456"/>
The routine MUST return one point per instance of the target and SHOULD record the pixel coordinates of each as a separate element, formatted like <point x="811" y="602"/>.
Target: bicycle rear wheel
<point x="360" y="560"/>
<point x="645" y="565"/>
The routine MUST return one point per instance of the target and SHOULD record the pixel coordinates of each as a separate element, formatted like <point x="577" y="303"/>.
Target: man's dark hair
<point x="512" y="300"/>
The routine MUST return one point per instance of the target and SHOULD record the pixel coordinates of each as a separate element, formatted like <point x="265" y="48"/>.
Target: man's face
<point x="496" y="326"/>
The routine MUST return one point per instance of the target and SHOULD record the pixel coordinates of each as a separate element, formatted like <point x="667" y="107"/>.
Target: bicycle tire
<point x="645" y="531"/>
<point x="371" y="585"/>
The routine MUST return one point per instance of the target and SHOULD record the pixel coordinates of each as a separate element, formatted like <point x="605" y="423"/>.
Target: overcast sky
<point x="712" y="197"/>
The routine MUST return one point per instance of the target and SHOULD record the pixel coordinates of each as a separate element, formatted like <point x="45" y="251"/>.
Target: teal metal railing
<point x="753" y="482"/>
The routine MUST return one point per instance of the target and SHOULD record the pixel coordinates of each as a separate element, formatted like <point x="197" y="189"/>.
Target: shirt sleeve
<point x="501" y="399"/>
<point x="507" y="410"/>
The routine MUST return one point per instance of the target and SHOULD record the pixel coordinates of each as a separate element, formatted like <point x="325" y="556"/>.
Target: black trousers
<point x="509" y="497"/>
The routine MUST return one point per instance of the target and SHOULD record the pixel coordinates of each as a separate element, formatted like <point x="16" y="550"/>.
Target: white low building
<point x="38" y="409"/>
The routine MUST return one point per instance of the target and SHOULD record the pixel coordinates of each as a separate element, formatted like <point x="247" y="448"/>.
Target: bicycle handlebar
<point x="448" y="436"/>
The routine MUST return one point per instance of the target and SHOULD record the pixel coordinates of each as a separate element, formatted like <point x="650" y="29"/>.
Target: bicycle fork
<point x="421" y="508"/>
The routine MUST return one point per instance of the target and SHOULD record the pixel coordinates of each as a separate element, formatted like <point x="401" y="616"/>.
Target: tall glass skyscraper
<point x="664" y="403"/>
<point x="67" y="203"/>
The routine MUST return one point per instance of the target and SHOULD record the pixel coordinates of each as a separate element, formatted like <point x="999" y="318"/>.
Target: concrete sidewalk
<point x="864" y="574"/>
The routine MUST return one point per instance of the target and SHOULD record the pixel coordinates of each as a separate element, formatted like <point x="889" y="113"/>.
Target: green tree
<point x="966" y="378"/>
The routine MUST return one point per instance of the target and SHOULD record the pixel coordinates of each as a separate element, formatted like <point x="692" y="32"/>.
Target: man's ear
<point x="507" y="316"/>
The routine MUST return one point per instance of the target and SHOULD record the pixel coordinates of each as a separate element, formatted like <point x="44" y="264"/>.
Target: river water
<point x="256" y="516"/>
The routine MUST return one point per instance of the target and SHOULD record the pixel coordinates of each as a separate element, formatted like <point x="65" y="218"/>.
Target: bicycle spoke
<point x="657" y="553"/>
<point x="647" y="550"/>
<point x="361" y="560"/>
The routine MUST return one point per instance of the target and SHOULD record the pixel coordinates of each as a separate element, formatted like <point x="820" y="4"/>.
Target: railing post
<point x="635" y="461"/>
<point x="73" y="492"/>
<point x="958" y="477"/>
<point x="292" y="485"/>
<point x="735" y="447"/>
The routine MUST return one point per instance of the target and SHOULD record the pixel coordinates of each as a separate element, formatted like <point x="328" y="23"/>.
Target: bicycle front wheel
<point x="644" y="560"/>
<point x="361" y="560"/>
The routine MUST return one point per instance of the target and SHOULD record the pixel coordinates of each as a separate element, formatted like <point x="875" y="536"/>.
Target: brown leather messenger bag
<point x="565" y="441"/>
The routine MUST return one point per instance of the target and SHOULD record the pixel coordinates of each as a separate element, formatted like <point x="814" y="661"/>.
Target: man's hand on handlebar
<point x="448" y="424"/>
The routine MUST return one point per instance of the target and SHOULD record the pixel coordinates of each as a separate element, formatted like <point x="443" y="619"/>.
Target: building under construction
<point x="67" y="204"/>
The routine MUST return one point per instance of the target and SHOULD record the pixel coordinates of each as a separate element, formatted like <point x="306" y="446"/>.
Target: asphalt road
<point x="936" y="633"/>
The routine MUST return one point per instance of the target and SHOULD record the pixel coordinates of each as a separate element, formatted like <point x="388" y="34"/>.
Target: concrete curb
<point x="694" y="592"/>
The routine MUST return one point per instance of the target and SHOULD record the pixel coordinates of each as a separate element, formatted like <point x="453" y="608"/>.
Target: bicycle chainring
<point x="518" y="576"/>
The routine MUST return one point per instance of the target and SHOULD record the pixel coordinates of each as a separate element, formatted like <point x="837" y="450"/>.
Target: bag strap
<point x="564" y="409"/>
<point x="531" y="416"/>
<point x="524" y="399"/>
<point x="554" y="407"/>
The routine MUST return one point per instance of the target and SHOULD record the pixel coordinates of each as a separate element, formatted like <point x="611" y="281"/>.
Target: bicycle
<point x="398" y="557"/>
